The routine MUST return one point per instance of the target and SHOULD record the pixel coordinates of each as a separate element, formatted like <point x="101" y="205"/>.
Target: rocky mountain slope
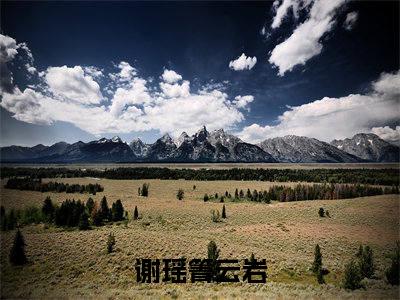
<point x="370" y="147"/>
<point x="205" y="146"/>
<point x="297" y="149"/>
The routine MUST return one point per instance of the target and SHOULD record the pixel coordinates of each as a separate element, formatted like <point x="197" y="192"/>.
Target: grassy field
<point x="75" y="263"/>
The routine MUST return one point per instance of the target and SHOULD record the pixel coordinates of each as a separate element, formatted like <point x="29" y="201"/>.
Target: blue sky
<point x="97" y="69"/>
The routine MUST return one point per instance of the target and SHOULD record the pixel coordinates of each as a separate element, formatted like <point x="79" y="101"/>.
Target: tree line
<point x="36" y="184"/>
<point x="362" y="176"/>
<point x="71" y="213"/>
<point x="302" y="192"/>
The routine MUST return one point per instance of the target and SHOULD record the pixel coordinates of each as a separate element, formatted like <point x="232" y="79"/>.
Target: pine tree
<point x="3" y="218"/>
<point x="366" y="262"/>
<point x="135" y="214"/>
<point x="212" y="255"/>
<point x="180" y="194"/>
<point x="352" y="276"/>
<point x="117" y="211"/>
<point x="393" y="272"/>
<point x="216" y="196"/>
<point x="17" y="253"/>
<point x="248" y="194"/>
<point x="97" y="218"/>
<point x="105" y="211"/>
<point x="241" y="194"/>
<point x="317" y="264"/>
<point x="48" y="209"/>
<point x="84" y="222"/>
<point x="110" y="243"/>
<point x="89" y="205"/>
<point x="139" y="191"/>
<point x="223" y="212"/>
<point x="236" y="194"/>
<point x="194" y="187"/>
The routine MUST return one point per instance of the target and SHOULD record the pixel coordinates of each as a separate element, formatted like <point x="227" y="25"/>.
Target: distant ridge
<point x="205" y="146"/>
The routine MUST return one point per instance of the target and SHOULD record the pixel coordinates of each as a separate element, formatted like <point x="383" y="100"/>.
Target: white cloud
<point x="351" y="19"/>
<point x="170" y="76"/>
<point x="8" y="48"/>
<point x="305" y="41"/>
<point x="243" y="101"/>
<point x="72" y="95"/>
<point x="336" y="118"/>
<point x="135" y="94"/>
<point x="73" y="84"/>
<point x="243" y="62"/>
<point x="175" y="90"/>
<point x="388" y="134"/>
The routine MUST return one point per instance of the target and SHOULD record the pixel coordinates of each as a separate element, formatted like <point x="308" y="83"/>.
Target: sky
<point x="75" y="71"/>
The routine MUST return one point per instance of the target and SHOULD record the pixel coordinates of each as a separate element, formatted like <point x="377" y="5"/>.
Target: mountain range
<point x="205" y="146"/>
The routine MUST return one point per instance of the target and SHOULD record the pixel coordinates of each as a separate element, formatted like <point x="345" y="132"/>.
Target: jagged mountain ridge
<point x="296" y="149"/>
<point x="203" y="146"/>
<point x="370" y="147"/>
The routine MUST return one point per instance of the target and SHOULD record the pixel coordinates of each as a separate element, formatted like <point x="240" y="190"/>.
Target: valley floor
<point x="75" y="263"/>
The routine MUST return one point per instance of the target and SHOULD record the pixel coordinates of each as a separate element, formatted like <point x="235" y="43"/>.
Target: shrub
<point x="180" y="194"/>
<point x="32" y="215"/>
<point x="84" y="222"/>
<point x="194" y="187"/>
<point x="216" y="196"/>
<point x="366" y="261"/>
<point x="352" y="276"/>
<point x="17" y="253"/>
<point x="206" y="198"/>
<point x="215" y="217"/>
<point x="135" y="214"/>
<point x="236" y="194"/>
<point x="212" y="255"/>
<point x="223" y="215"/>
<point x="321" y="212"/>
<point x="222" y="199"/>
<point x="145" y="190"/>
<point x="110" y="243"/>
<point x="393" y="272"/>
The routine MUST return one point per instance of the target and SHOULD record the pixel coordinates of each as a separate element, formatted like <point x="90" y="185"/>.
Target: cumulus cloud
<point x="73" y="84"/>
<point x="243" y="62"/>
<point x="305" y="41"/>
<point x="243" y="101"/>
<point x="8" y="48"/>
<point x="336" y="118"/>
<point x="351" y="19"/>
<point x="170" y="76"/>
<point x="72" y="94"/>
<point x="388" y="134"/>
<point x="283" y="9"/>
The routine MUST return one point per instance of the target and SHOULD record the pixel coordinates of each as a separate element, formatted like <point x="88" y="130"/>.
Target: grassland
<point x="75" y="264"/>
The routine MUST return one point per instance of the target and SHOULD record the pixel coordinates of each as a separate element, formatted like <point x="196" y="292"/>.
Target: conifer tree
<point x="97" y="218"/>
<point x="321" y="212"/>
<point x="3" y="218"/>
<point x="223" y="215"/>
<point x="135" y="213"/>
<point x="241" y="194"/>
<point x="317" y="264"/>
<point x="17" y="253"/>
<point x="117" y="211"/>
<point x="352" y="276"/>
<point x="84" y="222"/>
<point x="366" y="262"/>
<point x="105" y="211"/>
<point x="206" y="198"/>
<point x="393" y="272"/>
<point x="48" y="209"/>
<point x="248" y="195"/>
<point x="145" y="190"/>
<point x="236" y="194"/>
<point x="89" y="205"/>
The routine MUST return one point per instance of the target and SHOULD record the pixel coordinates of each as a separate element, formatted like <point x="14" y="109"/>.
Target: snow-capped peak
<point x="116" y="139"/>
